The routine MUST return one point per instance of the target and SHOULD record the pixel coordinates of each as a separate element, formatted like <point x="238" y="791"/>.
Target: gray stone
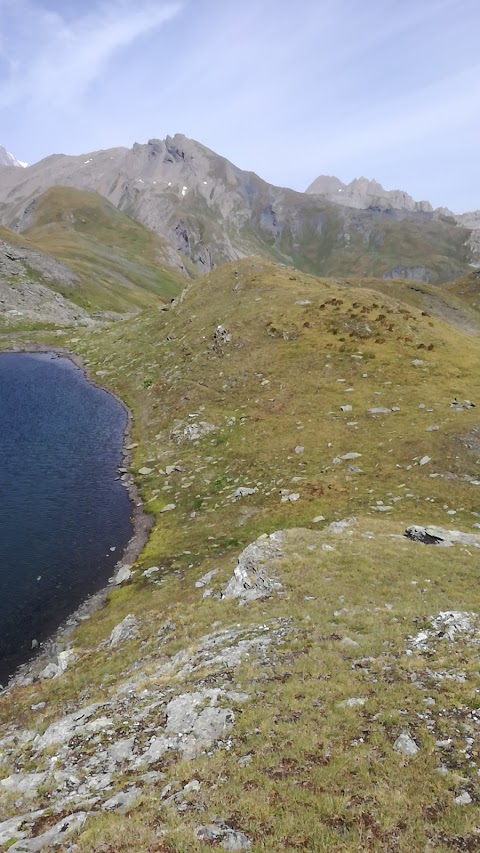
<point x="14" y="827"/>
<point x="123" y="800"/>
<point x="168" y="508"/>
<point x="230" y="839"/>
<point x="203" y="581"/>
<point x="424" y="460"/>
<point x="405" y="744"/>
<point x="433" y="535"/>
<point x="53" y="837"/>
<point x="463" y="799"/>
<point x="291" y="498"/>
<point x="251" y="579"/>
<point x="354" y="702"/>
<point x="51" y="671"/>
<point x="379" y="410"/>
<point x="148" y="573"/>
<point x="25" y="785"/>
<point x="125" y="630"/>
<point x="341" y="526"/>
<point x="145" y="471"/>
<point x="61" y="731"/>
<point x="123" y="575"/>
<point x="243" y="492"/>
<point x="156" y="750"/>
<point x="346" y="408"/>
<point x="212" y="724"/>
<point x="122" y="750"/>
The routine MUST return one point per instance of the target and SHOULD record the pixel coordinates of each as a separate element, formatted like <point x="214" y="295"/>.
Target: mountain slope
<point x="30" y="285"/>
<point x="210" y="211"/>
<point x="122" y="266"/>
<point x="275" y="722"/>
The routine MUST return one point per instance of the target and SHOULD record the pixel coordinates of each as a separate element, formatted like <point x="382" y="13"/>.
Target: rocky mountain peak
<point x="363" y="193"/>
<point x="7" y="159"/>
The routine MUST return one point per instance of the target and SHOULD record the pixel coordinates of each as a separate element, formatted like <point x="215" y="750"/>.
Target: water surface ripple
<point x="62" y="507"/>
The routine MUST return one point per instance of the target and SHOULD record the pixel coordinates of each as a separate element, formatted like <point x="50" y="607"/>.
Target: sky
<point x="290" y="89"/>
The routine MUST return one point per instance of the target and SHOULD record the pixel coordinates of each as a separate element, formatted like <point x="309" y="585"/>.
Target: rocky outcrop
<point x="251" y="578"/>
<point x="363" y="194"/>
<point x="433" y="535"/>
<point x="24" y="298"/>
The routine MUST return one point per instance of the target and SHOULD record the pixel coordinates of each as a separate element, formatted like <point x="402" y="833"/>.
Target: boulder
<point x="433" y="535"/>
<point x="406" y="745"/>
<point x="251" y="579"/>
<point x="125" y="630"/>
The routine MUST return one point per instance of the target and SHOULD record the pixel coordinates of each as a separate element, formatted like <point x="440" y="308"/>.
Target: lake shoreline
<point x="142" y="524"/>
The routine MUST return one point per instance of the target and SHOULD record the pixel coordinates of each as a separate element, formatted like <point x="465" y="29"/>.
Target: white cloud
<point x="53" y="61"/>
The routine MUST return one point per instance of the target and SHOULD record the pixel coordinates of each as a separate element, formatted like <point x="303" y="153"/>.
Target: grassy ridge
<point x="321" y="776"/>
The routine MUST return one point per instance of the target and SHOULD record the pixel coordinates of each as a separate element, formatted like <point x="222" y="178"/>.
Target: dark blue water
<point x="61" y="508"/>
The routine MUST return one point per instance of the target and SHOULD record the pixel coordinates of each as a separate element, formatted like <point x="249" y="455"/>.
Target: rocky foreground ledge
<point x="151" y="740"/>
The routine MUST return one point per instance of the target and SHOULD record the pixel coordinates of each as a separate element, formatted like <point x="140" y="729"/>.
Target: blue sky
<point x="389" y="89"/>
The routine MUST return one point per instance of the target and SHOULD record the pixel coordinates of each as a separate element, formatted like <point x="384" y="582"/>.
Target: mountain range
<point x="199" y="210"/>
<point x="280" y="662"/>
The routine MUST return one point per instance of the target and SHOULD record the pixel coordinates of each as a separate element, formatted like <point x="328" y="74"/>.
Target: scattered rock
<point x="144" y="471"/>
<point x="191" y="432"/>
<point x="203" y="581"/>
<point x="168" y="508"/>
<point x="405" y="745"/>
<point x="221" y="336"/>
<point x="379" y="410"/>
<point x="463" y="799"/>
<point x="341" y="526"/>
<point x="122" y="800"/>
<point x="220" y="832"/>
<point x="148" y="573"/>
<point x="424" y="460"/>
<point x="292" y="497"/>
<point x="354" y="702"/>
<point x="125" y="630"/>
<point x="243" y="492"/>
<point x="447" y="625"/>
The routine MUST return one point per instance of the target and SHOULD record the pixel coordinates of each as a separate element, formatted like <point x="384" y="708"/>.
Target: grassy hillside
<point x="279" y="401"/>
<point x="121" y="264"/>
<point x="467" y="288"/>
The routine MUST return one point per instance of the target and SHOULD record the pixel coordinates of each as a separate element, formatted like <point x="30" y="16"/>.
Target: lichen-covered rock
<point x="433" y="535"/>
<point x="251" y="578"/>
<point x="125" y="630"/>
